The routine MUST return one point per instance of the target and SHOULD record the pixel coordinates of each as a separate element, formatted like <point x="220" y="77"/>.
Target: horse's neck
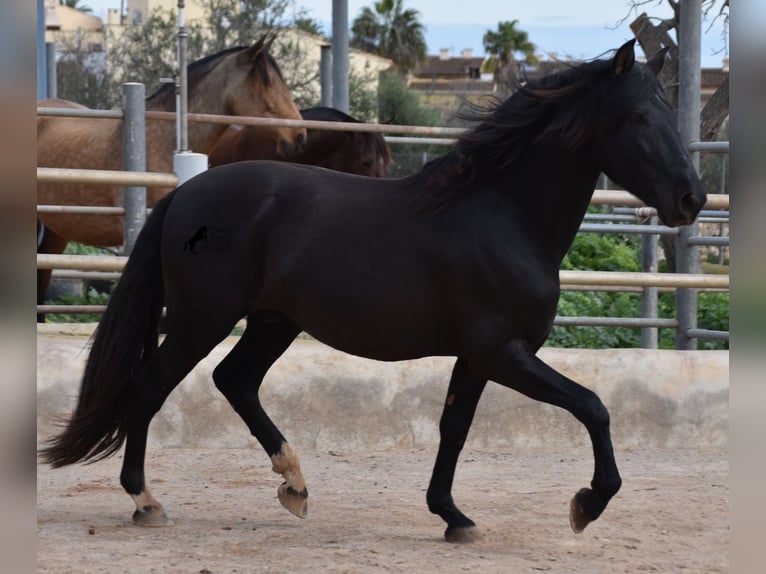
<point x="162" y="134"/>
<point x="550" y="193"/>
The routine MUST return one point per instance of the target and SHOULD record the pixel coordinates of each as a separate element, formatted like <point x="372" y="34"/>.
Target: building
<point x="72" y="29"/>
<point x="446" y="82"/>
<point x="77" y="32"/>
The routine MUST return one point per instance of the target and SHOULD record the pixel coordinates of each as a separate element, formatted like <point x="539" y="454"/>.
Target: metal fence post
<point x="340" y="55"/>
<point x="50" y="70"/>
<point x="689" y="79"/>
<point x="649" y="295"/>
<point x="134" y="159"/>
<point x="325" y="74"/>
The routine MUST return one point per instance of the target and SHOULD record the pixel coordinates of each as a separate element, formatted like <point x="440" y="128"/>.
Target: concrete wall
<point x="327" y="400"/>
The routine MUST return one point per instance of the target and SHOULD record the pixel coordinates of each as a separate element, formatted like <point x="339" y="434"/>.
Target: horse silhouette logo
<point x="200" y="235"/>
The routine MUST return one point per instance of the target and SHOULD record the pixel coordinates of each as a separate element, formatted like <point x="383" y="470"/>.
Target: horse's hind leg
<point x="239" y="377"/>
<point x="173" y="360"/>
<point x="517" y="367"/>
<point x="463" y="396"/>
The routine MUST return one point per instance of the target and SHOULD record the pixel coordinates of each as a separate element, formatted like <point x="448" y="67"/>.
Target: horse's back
<point x="309" y="243"/>
<point x="347" y="258"/>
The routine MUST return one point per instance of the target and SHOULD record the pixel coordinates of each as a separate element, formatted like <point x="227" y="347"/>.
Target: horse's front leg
<point x="518" y="368"/>
<point x="462" y="397"/>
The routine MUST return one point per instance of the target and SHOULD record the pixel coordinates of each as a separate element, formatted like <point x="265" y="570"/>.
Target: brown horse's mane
<point x="261" y="63"/>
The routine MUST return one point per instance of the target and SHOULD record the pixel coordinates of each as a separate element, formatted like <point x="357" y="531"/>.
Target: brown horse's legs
<point x="239" y="377"/>
<point x="517" y="367"/>
<point x="172" y="361"/>
<point x="54" y="244"/>
<point x="463" y="395"/>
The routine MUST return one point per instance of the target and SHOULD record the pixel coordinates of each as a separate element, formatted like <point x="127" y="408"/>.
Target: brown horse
<point x="242" y="81"/>
<point x="362" y="153"/>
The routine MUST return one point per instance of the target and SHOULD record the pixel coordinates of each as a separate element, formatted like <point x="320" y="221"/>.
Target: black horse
<point x="461" y="259"/>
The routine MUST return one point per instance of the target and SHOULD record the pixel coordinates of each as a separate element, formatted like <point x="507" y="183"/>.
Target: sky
<point x="583" y="29"/>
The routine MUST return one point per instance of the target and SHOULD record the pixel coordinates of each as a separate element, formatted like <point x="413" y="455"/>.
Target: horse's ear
<point x="251" y="53"/>
<point x="658" y="60"/>
<point x="624" y="58"/>
<point x="262" y="45"/>
<point x="269" y="41"/>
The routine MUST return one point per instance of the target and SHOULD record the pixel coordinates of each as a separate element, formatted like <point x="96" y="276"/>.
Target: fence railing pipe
<point x="709" y="334"/>
<point x="81" y="209"/>
<point x="134" y="159"/>
<point x="635" y="279"/>
<point x="106" y="177"/>
<point x="79" y="113"/>
<point x="628" y="228"/>
<point x="567" y="277"/>
<point x="615" y="322"/>
<point x="623" y="198"/>
<point x="709" y="241"/>
<point x="87" y="262"/>
<point x="71" y="309"/>
<point x="712" y="147"/>
<point x="419" y="140"/>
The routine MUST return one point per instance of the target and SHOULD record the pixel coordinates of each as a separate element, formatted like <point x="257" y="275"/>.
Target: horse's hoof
<point x="151" y="516"/>
<point x="294" y="501"/>
<point x="462" y="534"/>
<point x="577" y="517"/>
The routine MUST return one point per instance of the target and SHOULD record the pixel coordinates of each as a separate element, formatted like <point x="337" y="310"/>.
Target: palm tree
<point x="392" y="32"/>
<point x="501" y="44"/>
<point x="76" y="5"/>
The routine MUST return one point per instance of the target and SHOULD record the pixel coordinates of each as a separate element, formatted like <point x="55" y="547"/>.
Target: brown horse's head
<point x="263" y="93"/>
<point x="374" y="157"/>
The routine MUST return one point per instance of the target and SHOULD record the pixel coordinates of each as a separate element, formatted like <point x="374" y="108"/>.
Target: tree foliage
<point x="76" y="5"/>
<point x="391" y="31"/>
<point x="398" y="105"/>
<point x="502" y="44"/>
<point x="609" y="252"/>
<point x="147" y="52"/>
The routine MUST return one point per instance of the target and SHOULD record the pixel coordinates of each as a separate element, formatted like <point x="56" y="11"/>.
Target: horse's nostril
<point x="301" y="139"/>
<point x="690" y="204"/>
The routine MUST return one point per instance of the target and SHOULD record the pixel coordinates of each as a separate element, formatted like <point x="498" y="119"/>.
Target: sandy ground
<point x="367" y="513"/>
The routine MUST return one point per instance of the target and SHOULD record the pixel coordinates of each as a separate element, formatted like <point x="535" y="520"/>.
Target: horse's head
<point x="261" y="91"/>
<point x="638" y="145"/>
<point x="366" y="154"/>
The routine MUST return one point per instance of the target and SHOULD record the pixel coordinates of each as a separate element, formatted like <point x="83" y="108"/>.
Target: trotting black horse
<point x="461" y="259"/>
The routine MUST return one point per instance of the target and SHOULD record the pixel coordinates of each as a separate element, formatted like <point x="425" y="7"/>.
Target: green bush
<point x="591" y="251"/>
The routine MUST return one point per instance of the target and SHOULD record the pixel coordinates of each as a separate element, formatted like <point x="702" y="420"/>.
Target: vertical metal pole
<point x="183" y="83"/>
<point x="134" y="159"/>
<point x="50" y="70"/>
<point x="689" y="78"/>
<point x="649" y="296"/>
<point x="325" y="75"/>
<point x="42" y="88"/>
<point x="340" y="55"/>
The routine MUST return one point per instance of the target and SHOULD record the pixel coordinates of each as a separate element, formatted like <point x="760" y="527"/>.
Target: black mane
<point x="567" y="106"/>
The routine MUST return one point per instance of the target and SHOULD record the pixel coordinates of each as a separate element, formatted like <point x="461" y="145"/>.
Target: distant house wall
<point x="446" y="82"/>
<point x="70" y="28"/>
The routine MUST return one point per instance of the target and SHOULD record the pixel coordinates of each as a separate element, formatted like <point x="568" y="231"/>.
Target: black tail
<point x="125" y="338"/>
